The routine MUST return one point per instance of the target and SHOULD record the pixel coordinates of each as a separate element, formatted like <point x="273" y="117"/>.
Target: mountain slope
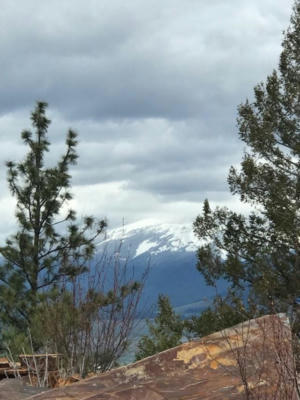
<point x="170" y="249"/>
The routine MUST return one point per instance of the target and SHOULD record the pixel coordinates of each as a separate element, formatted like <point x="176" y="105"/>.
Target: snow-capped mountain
<point x="153" y="238"/>
<point x="170" y="249"/>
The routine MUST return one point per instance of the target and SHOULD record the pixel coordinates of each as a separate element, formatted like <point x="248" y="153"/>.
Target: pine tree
<point x="48" y="247"/>
<point x="261" y="251"/>
<point x="224" y="312"/>
<point x="164" y="333"/>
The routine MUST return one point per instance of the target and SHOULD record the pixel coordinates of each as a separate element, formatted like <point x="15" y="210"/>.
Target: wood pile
<point x="40" y="362"/>
<point x="9" y="369"/>
<point x="29" y="364"/>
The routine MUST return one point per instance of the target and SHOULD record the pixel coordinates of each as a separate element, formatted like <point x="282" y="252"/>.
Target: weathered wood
<point x="12" y="371"/>
<point x="41" y="362"/>
<point x="4" y="362"/>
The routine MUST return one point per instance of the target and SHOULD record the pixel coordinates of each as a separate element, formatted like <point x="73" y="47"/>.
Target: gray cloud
<point x="152" y="88"/>
<point x="146" y="59"/>
<point x="166" y="158"/>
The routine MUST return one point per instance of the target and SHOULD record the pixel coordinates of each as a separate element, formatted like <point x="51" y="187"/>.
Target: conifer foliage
<point x="48" y="247"/>
<point x="164" y="333"/>
<point x="262" y="250"/>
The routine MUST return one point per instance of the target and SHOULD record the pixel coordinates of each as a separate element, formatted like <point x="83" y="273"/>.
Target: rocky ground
<point x="15" y="389"/>
<point x="206" y="369"/>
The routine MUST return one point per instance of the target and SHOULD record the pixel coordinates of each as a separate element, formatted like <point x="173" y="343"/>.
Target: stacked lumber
<point x="32" y="364"/>
<point x="40" y="362"/>
<point x="11" y="370"/>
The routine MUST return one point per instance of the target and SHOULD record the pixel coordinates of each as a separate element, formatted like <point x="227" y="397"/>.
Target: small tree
<point x="164" y="333"/>
<point x="90" y="322"/>
<point x="265" y="362"/>
<point x="48" y="247"/>
<point x="261" y="251"/>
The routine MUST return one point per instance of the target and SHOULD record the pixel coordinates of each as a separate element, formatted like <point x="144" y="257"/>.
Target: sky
<point x="152" y="88"/>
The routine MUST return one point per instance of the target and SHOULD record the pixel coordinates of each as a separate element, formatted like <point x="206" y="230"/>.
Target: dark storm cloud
<point x="102" y="59"/>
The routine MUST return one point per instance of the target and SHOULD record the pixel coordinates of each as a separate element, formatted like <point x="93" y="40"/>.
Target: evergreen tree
<point x="261" y="251"/>
<point x="223" y="313"/>
<point x="164" y="333"/>
<point x="48" y="247"/>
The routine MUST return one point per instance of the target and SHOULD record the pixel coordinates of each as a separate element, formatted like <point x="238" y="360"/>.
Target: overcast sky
<point x="151" y="87"/>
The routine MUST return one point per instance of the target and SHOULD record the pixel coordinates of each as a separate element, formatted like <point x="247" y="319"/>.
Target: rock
<point x="16" y="389"/>
<point x="208" y="369"/>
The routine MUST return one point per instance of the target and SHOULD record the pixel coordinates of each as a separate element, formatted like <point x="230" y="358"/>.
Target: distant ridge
<point x="171" y="251"/>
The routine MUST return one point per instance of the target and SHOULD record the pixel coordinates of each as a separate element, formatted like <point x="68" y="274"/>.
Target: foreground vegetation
<point x="51" y="298"/>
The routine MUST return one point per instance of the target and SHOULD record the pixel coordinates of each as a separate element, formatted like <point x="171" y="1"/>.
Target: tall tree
<point x="48" y="245"/>
<point x="261" y="251"/>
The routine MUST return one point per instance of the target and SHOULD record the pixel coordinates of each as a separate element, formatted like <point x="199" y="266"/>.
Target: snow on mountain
<point x="153" y="238"/>
<point x="145" y="246"/>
